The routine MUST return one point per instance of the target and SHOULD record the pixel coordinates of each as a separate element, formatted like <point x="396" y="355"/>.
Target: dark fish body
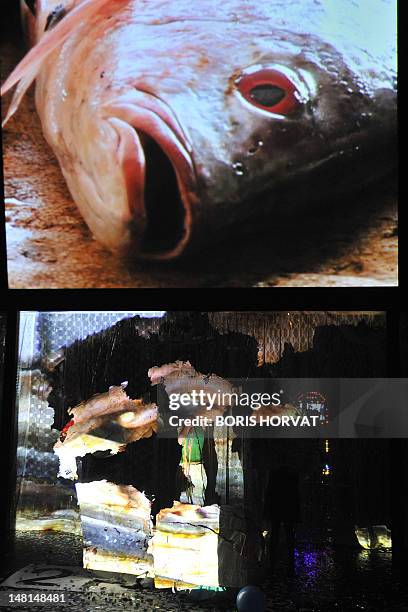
<point x="176" y="123"/>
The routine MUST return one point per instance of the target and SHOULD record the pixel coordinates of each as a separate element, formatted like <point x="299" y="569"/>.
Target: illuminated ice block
<point x="116" y="527"/>
<point x="185" y="546"/>
<point x="376" y="536"/>
<point x="208" y="546"/>
<point x="383" y="535"/>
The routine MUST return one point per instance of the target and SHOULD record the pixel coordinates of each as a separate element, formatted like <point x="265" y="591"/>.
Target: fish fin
<point x="26" y="71"/>
<point x="18" y="95"/>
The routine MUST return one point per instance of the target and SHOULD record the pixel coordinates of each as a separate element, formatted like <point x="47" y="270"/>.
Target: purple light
<point x="306" y="562"/>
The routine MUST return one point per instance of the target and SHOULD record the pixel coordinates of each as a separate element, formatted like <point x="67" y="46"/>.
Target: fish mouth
<point x="165" y="224"/>
<point x="159" y="174"/>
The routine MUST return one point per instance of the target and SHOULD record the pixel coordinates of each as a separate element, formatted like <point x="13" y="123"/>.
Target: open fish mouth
<point x="156" y="158"/>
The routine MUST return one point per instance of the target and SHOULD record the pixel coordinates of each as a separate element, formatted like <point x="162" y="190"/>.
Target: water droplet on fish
<point x="255" y="148"/>
<point x="239" y="169"/>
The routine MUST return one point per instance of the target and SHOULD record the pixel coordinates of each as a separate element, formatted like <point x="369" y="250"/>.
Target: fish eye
<point x="270" y="90"/>
<point x="267" y="94"/>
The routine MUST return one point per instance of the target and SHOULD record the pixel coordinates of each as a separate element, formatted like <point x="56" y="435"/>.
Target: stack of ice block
<point x="116" y="528"/>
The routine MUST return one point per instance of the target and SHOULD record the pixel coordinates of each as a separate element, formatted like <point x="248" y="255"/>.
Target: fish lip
<point x="168" y="115"/>
<point x="148" y="114"/>
<point x="183" y="167"/>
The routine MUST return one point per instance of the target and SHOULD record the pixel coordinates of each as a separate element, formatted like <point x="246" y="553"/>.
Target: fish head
<point x="219" y="118"/>
<point x="282" y="113"/>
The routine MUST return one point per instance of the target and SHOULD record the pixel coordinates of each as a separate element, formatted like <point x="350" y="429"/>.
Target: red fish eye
<point x="270" y="90"/>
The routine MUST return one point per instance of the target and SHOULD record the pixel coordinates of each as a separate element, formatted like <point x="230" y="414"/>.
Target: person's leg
<point x="274" y="540"/>
<point x="210" y="462"/>
<point x="290" y="545"/>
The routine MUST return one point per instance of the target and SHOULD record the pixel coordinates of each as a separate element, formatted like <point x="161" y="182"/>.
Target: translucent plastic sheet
<point x="43" y="500"/>
<point x="228" y="343"/>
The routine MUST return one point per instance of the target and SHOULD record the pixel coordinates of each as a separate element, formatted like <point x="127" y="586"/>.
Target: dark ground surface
<point x="323" y="579"/>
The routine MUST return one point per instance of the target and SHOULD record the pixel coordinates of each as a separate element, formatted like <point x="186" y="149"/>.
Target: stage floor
<point x="322" y="578"/>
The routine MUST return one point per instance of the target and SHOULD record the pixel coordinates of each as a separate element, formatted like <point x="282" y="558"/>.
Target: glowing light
<point x="377" y="536"/>
<point x="313" y="402"/>
<point x="326" y="470"/>
<point x="307" y="564"/>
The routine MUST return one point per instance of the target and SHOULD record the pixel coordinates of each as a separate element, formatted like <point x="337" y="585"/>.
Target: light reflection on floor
<point x="322" y="578"/>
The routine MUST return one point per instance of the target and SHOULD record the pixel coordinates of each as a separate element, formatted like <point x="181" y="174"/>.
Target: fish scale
<point x="162" y="147"/>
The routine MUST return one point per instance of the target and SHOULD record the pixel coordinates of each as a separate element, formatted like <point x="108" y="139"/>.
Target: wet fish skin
<point x="233" y="161"/>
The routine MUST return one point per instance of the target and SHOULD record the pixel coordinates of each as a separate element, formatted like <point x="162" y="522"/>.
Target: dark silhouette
<point x="282" y="507"/>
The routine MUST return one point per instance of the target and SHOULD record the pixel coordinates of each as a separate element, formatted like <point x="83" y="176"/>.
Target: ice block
<point x="116" y="527"/>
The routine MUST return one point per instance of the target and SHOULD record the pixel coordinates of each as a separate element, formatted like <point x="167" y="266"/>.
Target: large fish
<point x="175" y="122"/>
